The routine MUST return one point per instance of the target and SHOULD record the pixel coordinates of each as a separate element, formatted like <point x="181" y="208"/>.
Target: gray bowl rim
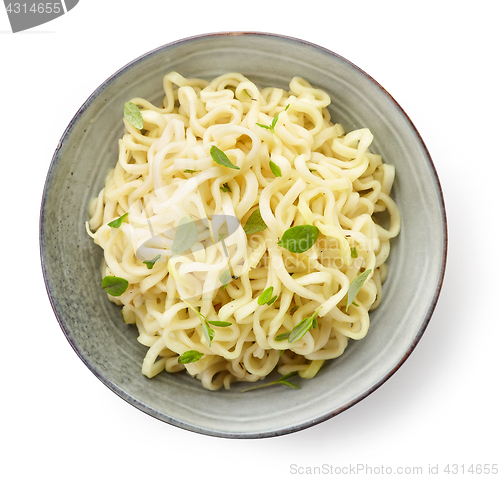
<point x="161" y="416"/>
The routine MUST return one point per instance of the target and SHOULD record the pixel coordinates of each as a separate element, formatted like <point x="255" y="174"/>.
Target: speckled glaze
<point x="93" y="325"/>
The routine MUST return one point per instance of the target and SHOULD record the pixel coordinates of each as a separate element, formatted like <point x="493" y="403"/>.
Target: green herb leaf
<point x="208" y="333"/>
<point x="219" y="323"/>
<point x="301" y="328"/>
<point x="133" y="115"/>
<point x="151" y="263"/>
<point x="299" y="238"/>
<point x="190" y="171"/>
<point x="273" y="300"/>
<point x="263" y="126"/>
<point x="225" y="278"/>
<point x="355" y="286"/>
<point x="249" y="95"/>
<point x="288" y="384"/>
<point x="275" y="169"/>
<point x="282" y="337"/>
<point x="281" y="381"/>
<point x="225" y="188"/>
<point x="185" y="235"/>
<point x="294" y="308"/>
<point x="273" y="122"/>
<point x="114" y="286"/>
<point x="221" y="158"/>
<point x="117" y="222"/>
<point x="265" y="296"/>
<point x="255" y="223"/>
<point x="354" y="252"/>
<point x="190" y="356"/>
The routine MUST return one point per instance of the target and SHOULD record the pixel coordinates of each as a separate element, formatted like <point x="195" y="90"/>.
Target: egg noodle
<point x="193" y="219"/>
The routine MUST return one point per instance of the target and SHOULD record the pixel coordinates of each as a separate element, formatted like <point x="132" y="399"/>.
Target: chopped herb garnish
<point x="302" y="327"/>
<point x="219" y="323"/>
<point x="355" y="287"/>
<point x="282" y="337"/>
<point x="273" y="122"/>
<point x="190" y="356"/>
<point x="114" y="286"/>
<point x="133" y="115"/>
<point x="208" y="333"/>
<point x="275" y="169"/>
<point x="221" y="158"/>
<point x="225" y="278"/>
<point x="294" y="308"/>
<point x="255" y="223"/>
<point x="151" y="263"/>
<point x="281" y="381"/>
<point x="354" y="252"/>
<point x="264" y="126"/>
<point x="266" y="297"/>
<point x="185" y="235"/>
<point x="190" y="171"/>
<point x="299" y="239"/>
<point x="117" y="222"/>
<point x="249" y="95"/>
<point x="273" y="300"/>
<point x="225" y="188"/>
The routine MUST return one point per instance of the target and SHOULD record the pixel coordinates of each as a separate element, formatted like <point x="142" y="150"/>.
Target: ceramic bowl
<point x="93" y="325"/>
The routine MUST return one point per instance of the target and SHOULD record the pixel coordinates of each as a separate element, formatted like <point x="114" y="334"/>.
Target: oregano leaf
<point x="299" y="239"/>
<point x="355" y="286"/>
<point x="221" y="158"/>
<point x="117" y="222"/>
<point x="133" y="115"/>
<point x="114" y="286"/>
<point x="190" y="356"/>
<point x="255" y="223"/>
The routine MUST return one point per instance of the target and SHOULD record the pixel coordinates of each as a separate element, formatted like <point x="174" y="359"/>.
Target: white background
<point x="439" y="59"/>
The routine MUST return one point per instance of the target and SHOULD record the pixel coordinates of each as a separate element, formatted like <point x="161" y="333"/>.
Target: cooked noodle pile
<point x="224" y="150"/>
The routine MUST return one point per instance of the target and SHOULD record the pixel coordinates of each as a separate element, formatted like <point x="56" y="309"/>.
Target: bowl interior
<point x="93" y="325"/>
